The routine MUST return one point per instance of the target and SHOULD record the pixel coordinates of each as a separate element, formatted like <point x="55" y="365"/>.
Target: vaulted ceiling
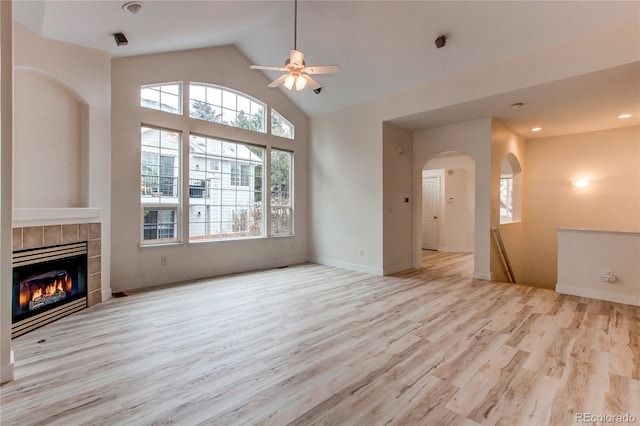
<point x="382" y="48"/>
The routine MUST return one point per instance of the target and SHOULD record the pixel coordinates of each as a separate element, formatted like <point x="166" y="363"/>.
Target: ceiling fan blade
<point x="296" y="57"/>
<point x="311" y="83"/>
<point x="323" y="69"/>
<point x="278" y="81"/>
<point x="265" y="67"/>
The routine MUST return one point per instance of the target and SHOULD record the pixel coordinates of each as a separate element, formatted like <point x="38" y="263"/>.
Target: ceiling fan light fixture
<point x="288" y="82"/>
<point x="295" y="67"/>
<point x="301" y="82"/>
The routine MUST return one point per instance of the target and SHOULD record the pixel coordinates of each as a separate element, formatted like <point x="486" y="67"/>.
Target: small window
<point x="226" y="106"/>
<point x="280" y="126"/>
<point x="506" y="199"/>
<point x="162" y="97"/>
<point x="160" y="224"/>
<point x="510" y="189"/>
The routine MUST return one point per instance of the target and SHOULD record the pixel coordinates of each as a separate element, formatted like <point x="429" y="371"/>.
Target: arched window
<point x="510" y="189"/>
<point x="221" y="105"/>
<point x="280" y="126"/>
<point x="165" y="97"/>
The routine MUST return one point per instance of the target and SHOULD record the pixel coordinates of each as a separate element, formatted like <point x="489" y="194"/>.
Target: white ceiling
<point x="382" y="47"/>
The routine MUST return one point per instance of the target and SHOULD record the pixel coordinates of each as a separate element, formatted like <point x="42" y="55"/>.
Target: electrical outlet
<point x="608" y="277"/>
<point x="163" y="260"/>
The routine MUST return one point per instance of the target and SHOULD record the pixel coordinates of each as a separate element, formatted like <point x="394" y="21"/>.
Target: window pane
<point x="224" y="201"/>
<point x="197" y="92"/>
<point x="226" y="106"/>
<point x="244" y="105"/>
<point x="506" y="197"/>
<point x="214" y="96"/>
<point x="173" y="89"/>
<point x="162" y="97"/>
<point x="150" y="97"/>
<point x="159" y="224"/>
<point x="281" y="199"/>
<point x="280" y="126"/>
<point x="229" y="100"/>
<point x="170" y="103"/>
<point x="160" y="183"/>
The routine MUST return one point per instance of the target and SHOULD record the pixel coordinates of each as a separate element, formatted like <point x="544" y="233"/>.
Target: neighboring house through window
<point x="226" y="196"/>
<point x="232" y="205"/>
<point x="160" y="183"/>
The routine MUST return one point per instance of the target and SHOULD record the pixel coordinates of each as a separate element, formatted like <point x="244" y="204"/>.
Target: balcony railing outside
<point x="156" y="186"/>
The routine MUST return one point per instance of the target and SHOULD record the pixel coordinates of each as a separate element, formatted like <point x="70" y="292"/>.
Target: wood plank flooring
<point x="312" y="345"/>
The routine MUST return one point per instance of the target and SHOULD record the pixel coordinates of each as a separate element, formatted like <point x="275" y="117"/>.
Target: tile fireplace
<point x="48" y="283"/>
<point x="56" y="272"/>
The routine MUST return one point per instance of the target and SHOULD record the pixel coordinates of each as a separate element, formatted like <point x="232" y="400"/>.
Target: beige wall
<point x="611" y="159"/>
<point x="584" y="256"/>
<point x="82" y="75"/>
<point x="347" y="157"/>
<point x="346" y="190"/>
<point x="135" y="266"/>
<point x="398" y="206"/>
<point x="47" y="156"/>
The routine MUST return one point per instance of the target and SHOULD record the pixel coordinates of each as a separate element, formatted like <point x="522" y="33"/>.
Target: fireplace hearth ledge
<point x="23" y="217"/>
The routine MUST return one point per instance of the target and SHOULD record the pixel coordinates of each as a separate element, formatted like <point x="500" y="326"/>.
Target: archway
<point x="454" y="173"/>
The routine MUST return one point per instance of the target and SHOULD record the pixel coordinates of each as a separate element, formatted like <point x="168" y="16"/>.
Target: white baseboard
<point x="346" y="265"/>
<point x="598" y="294"/>
<point x="6" y="371"/>
<point x="456" y="249"/>
<point x="482" y="276"/>
<point x="397" y="268"/>
<point x="106" y="293"/>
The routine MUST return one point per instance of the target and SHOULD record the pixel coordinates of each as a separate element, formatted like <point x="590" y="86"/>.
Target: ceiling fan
<point x="297" y="72"/>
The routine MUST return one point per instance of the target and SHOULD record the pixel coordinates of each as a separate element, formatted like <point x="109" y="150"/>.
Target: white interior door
<point x="430" y="212"/>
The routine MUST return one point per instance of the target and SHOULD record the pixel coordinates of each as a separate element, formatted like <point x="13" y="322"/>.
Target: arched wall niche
<point x="50" y="142"/>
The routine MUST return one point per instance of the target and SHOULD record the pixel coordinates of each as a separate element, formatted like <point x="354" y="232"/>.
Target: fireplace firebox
<point x="48" y="283"/>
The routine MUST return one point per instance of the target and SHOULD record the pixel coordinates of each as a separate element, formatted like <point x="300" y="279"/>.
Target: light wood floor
<point x="313" y="344"/>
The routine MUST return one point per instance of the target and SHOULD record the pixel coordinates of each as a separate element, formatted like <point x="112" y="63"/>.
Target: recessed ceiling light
<point x="132" y="7"/>
<point x="536" y="129"/>
<point x="517" y="105"/>
<point x="623" y="116"/>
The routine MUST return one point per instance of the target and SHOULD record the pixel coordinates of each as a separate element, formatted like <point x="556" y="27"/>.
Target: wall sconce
<point x="580" y="183"/>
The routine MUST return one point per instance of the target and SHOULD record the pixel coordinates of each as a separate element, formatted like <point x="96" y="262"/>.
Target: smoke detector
<point x="132" y="7"/>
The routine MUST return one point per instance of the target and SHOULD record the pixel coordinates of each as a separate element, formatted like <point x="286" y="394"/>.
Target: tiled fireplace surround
<point x="50" y="235"/>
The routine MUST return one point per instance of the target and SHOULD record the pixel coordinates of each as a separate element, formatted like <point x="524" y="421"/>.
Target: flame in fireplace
<point x="44" y="289"/>
<point x="53" y="289"/>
